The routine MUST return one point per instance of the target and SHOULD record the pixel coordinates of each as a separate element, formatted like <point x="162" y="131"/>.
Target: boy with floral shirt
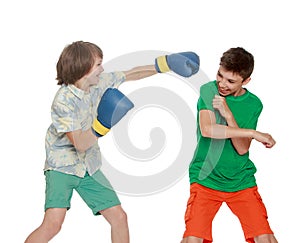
<point x="85" y="108"/>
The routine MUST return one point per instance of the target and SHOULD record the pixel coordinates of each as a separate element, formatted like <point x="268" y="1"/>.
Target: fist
<point x="112" y="107"/>
<point x="219" y="103"/>
<point x="265" y="138"/>
<point x="184" y="64"/>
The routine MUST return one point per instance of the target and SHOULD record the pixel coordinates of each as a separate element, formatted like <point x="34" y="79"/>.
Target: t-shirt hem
<point x="225" y="189"/>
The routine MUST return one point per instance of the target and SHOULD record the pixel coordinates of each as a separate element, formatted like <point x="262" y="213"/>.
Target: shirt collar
<point x="77" y="92"/>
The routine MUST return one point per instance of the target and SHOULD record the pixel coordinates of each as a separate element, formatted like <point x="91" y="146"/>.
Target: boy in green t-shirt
<point x="221" y="170"/>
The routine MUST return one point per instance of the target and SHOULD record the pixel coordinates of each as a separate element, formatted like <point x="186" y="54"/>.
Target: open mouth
<point x="223" y="91"/>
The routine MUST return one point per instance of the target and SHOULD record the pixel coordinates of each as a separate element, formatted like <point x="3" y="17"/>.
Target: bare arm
<point x="82" y="140"/>
<point x="140" y="72"/>
<point x="209" y="128"/>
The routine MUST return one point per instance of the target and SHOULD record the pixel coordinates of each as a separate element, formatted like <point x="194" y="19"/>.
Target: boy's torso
<point x="216" y="164"/>
<point x="73" y="109"/>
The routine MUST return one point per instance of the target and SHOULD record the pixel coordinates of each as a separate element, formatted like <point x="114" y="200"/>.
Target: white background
<point x="33" y="34"/>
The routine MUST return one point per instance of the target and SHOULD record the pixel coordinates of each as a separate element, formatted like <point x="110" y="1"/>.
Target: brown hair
<point x="238" y="61"/>
<point x="75" y="61"/>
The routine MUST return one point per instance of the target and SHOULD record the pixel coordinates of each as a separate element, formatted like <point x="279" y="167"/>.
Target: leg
<point x="51" y="225"/>
<point x="99" y="195"/>
<point x="266" y="238"/>
<point x="192" y="239"/>
<point x="202" y="206"/>
<point x="248" y="206"/>
<point x="117" y="218"/>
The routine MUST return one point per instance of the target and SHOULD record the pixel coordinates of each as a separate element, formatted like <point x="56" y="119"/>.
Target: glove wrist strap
<point x="99" y="128"/>
<point x="162" y="64"/>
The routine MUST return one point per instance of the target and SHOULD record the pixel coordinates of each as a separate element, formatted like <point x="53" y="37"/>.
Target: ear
<point x="246" y="81"/>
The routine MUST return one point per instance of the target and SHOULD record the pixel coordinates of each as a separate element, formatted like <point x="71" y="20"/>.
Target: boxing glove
<point x="112" y="107"/>
<point x="184" y="63"/>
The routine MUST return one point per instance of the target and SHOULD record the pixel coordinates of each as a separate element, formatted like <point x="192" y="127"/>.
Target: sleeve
<point x="64" y="118"/>
<point x="207" y="93"/>
<point x="252" y="123"/>
<point x="113" y="79"/>
<point x="107" y="80"/>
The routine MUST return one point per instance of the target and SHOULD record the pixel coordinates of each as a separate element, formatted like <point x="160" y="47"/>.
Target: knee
<point x="266" y="238"/>
<point x="116" y="216"/>
<point x="192" y="239"/>
<point x="53" y="226"/>
<point x="121" y="217"/>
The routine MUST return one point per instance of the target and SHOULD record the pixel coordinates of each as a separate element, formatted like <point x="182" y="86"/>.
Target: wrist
<point x="252" y="133"/>
<point x="229" y="118"/>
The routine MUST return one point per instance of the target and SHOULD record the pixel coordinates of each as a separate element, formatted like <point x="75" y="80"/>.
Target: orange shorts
<point x="204" y="203"/>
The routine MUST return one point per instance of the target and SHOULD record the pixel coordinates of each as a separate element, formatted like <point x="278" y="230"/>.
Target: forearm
<point x="209" y="128"/>
<point x="140" y="72"/>
<point x="82" y="140"/>
<point x="218" y="131"/>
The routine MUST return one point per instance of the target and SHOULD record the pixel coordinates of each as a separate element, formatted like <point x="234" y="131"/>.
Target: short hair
<point x="75" y="61"/>
<point x="238" y="61"/>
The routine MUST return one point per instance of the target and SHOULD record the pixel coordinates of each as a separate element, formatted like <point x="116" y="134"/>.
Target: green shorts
<point x="95" y="190"/>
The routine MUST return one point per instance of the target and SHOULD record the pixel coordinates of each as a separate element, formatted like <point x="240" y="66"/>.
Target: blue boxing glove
<point x="112" y="107"/>
<point x="185" y="64"/>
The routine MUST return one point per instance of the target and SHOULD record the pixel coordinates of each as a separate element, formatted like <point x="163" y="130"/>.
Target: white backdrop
<point x="34" y="34"/>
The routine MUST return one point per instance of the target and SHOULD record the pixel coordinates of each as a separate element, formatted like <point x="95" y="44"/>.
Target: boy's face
<point x="93" y="76"/>
<point x="230" y="83"/>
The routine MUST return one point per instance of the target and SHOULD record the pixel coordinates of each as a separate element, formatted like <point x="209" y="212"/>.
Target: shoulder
<point x="209" y="85"/>
<point x="208" y="90"/>
<point x="207" y="93"/>
<point x="112" y="77"/>
<point x="254" y="99"/>
<point x="64" y="99"/>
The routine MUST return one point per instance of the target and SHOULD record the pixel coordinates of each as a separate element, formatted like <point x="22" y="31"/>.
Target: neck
<point x="82" y="84"/>
<point x="240" y="92"/>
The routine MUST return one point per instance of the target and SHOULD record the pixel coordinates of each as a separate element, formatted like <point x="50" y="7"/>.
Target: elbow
<point x="242" y="151"/>
<point x="241" y="147"/>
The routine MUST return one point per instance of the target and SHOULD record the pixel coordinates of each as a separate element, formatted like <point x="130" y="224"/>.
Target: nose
<point x="100" y="69"/>
<point x="222" y="82"/>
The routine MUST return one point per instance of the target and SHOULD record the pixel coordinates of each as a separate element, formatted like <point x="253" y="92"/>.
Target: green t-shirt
<point x="216" y="164"/>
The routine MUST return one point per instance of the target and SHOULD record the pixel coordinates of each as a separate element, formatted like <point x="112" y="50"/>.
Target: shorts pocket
<point x="189" y="208"/>
<point x="261" y="204"/>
